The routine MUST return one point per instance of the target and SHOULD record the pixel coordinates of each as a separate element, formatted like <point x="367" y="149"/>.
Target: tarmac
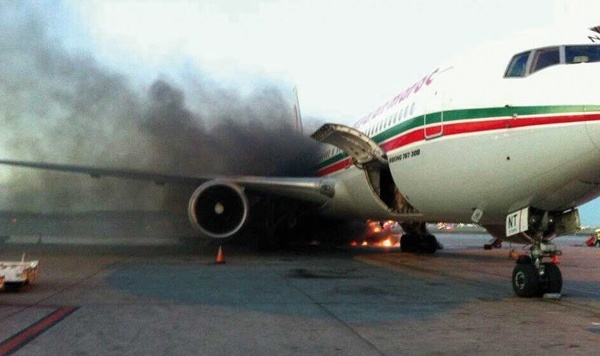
<point x="164" y="299"/>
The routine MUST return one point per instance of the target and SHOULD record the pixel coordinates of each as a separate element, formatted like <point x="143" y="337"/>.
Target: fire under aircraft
<point x="508" y="137"/>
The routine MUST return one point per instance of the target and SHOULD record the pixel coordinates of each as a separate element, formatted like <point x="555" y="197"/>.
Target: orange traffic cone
<point x="220" y="259"/>
<point x="555" y="260"/>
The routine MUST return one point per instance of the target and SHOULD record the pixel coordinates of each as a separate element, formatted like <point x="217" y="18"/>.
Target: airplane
<point x="508" y="137"/>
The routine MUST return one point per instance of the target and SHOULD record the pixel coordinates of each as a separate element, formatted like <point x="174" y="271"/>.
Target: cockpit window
<point x="582" y="54"/>
<point x="544" y="57"/>
<point x="527" y="63"/>
<point x="518" y="65"/>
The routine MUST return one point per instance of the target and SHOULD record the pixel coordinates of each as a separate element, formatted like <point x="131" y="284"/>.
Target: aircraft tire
<point x="429" y="244"/>
<point x="554" y="278"/>
<point x="13" y="286"/>
<point x="409" y="243"/>
<point x="526" y="280"/>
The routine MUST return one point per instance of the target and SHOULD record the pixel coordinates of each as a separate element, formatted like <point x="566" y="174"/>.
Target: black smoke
<point x="60" y="105"/>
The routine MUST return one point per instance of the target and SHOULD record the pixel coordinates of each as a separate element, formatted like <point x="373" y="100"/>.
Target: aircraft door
<point x="434" y="116"/>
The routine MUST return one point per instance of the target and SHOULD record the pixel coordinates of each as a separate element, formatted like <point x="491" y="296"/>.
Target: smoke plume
<point x="59" y="106"/>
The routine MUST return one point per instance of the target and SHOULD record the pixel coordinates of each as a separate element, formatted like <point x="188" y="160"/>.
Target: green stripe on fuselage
<point x="466" y="114"/>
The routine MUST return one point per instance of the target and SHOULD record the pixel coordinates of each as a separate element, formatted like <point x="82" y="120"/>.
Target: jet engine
<point x="218" y="209"/>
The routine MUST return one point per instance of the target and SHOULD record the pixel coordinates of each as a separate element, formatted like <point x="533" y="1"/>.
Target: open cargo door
<point x="369" y="157"/>
<point x="357" y="145"/>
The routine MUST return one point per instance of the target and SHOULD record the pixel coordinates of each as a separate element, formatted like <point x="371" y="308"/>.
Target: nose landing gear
<point x="532" y="277"/>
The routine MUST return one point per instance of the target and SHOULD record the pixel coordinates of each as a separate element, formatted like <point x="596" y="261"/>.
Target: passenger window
<point x="543" y="58"/>
<point x="518" y="65"/>
<point x="582" y="54"/>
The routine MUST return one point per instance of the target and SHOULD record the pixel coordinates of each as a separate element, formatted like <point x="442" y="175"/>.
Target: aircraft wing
<point x="313" y="189"/>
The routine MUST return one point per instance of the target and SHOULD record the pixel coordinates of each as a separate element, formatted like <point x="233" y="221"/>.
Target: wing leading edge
<point x="314" y="190"/>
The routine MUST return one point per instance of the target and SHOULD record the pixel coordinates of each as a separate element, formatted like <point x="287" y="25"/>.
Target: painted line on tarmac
<point x="26" y="335"/>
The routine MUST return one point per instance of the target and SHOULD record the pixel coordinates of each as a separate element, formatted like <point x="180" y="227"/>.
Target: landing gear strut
<point x="531" y="276"/>
<point x="416" y="238"/>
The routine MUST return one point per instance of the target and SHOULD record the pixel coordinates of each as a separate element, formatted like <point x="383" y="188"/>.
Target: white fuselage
<point x="466" y="137"/>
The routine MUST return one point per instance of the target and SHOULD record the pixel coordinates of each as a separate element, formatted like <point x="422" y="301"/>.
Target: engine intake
<point x="218" y="209"/>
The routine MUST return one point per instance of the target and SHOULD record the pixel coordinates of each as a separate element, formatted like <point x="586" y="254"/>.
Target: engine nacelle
<point x="218" y="209"/>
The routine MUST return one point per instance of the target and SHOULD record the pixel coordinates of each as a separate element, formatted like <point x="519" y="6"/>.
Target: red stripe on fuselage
<point x="472" y="126"/>
<point x="338" y="166"/>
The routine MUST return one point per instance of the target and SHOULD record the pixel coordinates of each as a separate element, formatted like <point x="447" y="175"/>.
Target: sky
<point x="344" y="56"/>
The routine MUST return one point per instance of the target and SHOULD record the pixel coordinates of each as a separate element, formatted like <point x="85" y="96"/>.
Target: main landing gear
<point x="416" y="238"/>
<point x="532" y="277"/>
